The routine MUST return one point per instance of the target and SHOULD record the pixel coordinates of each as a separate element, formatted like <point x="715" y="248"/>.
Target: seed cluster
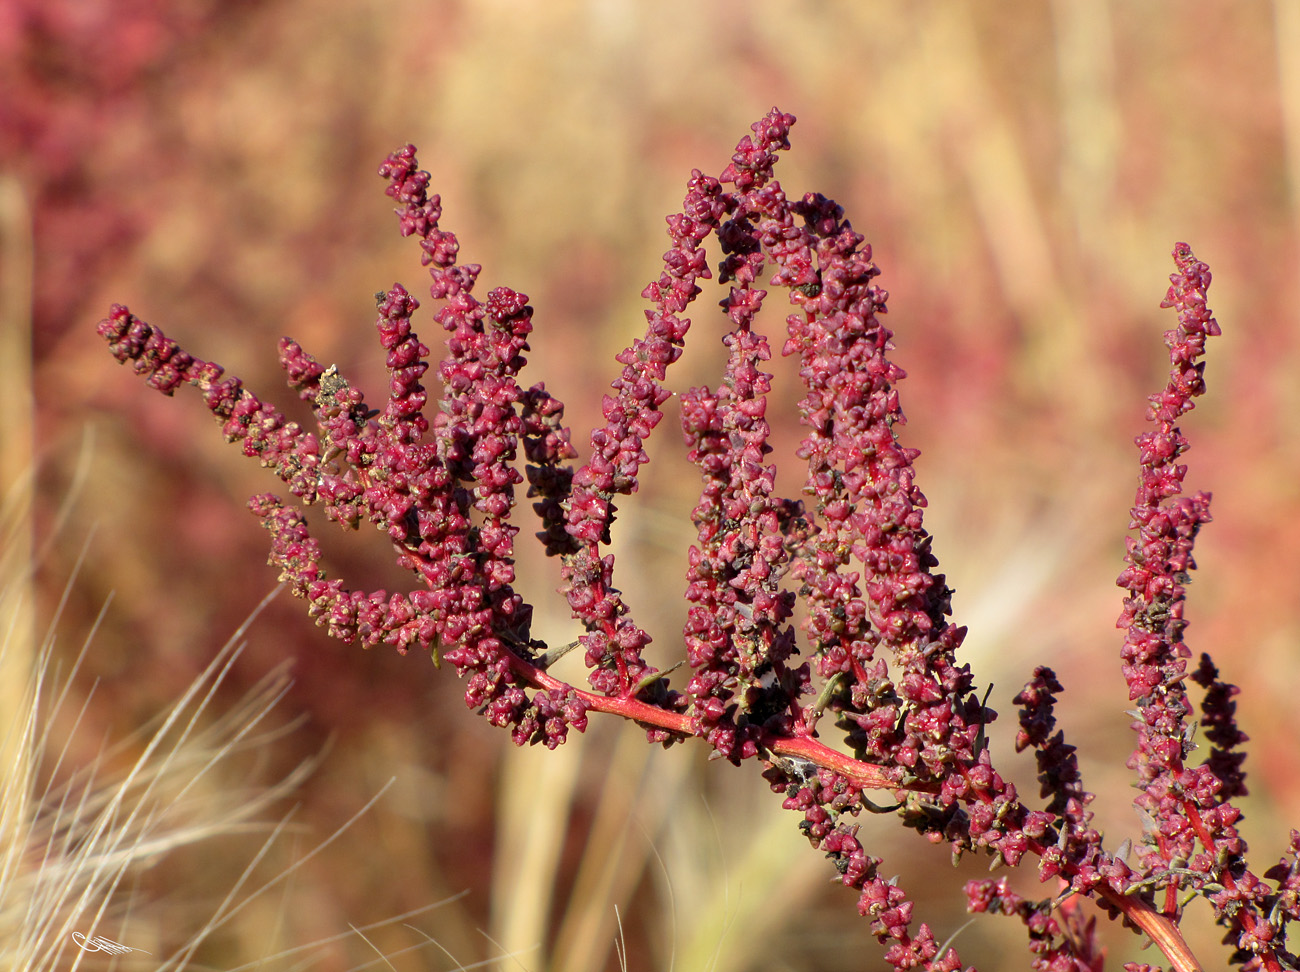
<point x="874" y="653"/>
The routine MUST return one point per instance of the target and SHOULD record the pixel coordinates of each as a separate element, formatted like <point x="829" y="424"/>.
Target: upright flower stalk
<point x="878" y="655"/>
<point x="1188" y="809"/>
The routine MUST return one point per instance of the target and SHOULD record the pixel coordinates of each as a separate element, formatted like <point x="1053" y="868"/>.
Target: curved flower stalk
<point x="877" y="657"/>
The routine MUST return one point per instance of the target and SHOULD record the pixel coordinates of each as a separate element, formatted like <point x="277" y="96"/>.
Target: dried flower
<point x="876" y="631"/>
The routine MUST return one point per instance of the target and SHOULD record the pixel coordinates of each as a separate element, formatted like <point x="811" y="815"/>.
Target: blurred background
<point x="1022" y="171"/>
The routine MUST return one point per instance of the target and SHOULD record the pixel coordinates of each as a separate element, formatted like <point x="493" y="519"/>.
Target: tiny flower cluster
<point x="851" y="557"/>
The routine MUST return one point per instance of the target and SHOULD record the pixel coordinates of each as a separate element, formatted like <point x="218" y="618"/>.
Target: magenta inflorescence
<point x="877" y="656"/>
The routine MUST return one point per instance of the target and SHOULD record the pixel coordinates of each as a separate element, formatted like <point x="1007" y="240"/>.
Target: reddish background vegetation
<point x="1022" y="175"/>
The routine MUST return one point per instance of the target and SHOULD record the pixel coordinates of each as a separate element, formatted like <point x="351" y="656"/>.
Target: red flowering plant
<point x="877" y="657"/>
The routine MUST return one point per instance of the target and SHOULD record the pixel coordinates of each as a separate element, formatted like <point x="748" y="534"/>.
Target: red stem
<point x="866" y="775"/>
<point x="1162" y="931"/>
<point x="1247" y="918"/>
